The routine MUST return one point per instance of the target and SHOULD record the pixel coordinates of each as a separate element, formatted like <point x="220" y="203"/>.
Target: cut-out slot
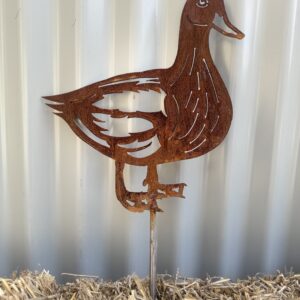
<point x="198" y="135"/>
<point x="215" y="125"/>
<point x="211" y="80"/>
<point x="197" y="147"/>
<point x="89" y="134"/>
<point x="192" y="127"/>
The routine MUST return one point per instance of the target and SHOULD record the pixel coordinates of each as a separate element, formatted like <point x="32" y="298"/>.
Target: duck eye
<point x="202" y="3"/>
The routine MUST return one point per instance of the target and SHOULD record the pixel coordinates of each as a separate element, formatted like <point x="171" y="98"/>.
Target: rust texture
<point x="196" y="117"/>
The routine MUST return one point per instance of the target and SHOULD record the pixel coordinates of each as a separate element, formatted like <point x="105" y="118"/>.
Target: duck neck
<point x="193" y="46"/>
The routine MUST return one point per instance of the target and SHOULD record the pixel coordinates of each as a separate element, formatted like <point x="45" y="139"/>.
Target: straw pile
<point x="43" y="286"/>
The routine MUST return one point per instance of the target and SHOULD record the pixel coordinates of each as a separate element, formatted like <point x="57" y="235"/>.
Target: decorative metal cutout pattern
<point x="197" y="109"/>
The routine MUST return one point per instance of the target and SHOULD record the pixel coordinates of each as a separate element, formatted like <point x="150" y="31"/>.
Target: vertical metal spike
<point x="153" y="254"/>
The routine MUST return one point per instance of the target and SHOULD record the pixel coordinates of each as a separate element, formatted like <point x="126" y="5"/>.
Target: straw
<point x="29" y="285"/>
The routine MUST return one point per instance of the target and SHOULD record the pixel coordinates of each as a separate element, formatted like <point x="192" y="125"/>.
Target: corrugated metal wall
<point x="58" y="209"/>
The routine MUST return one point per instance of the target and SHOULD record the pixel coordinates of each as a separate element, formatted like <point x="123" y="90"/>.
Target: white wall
<point x="58" y="208"/>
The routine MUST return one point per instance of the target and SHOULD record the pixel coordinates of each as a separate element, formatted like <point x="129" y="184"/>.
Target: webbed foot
<point x="173" y="190"/>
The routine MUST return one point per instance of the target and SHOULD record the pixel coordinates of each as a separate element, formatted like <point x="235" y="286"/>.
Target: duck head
<point x="201" y="13"/>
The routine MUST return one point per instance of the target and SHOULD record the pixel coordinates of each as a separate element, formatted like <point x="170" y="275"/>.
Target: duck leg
<point x="134" y="201"/>
<point x="162" y="190"/>
<point x="141" y="201"/>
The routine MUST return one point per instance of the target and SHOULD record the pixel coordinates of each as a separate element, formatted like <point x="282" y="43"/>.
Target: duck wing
<point x="102" y="116"/>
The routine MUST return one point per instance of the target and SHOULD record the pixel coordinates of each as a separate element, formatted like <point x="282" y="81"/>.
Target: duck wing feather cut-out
<point x="92" y="118"/>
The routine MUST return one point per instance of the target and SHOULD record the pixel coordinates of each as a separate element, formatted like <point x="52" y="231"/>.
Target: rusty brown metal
<point x="197" y="108"/>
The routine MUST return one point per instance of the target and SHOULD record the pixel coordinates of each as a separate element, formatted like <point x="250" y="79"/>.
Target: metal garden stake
<point x="196" y="117"/>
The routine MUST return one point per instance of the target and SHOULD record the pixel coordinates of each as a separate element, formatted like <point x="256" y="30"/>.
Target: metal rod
<point x="153" y="253"/>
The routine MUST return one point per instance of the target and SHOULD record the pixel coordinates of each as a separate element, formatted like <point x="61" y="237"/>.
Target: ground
<point x="42" y="285"/>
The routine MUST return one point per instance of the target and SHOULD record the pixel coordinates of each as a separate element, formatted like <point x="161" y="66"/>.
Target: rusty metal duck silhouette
<point x="196" y="117"/>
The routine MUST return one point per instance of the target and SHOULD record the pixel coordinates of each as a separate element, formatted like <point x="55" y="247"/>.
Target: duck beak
<point x="237" y="34"/>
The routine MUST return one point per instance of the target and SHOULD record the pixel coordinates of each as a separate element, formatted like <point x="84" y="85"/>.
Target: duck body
<point x="197" y="107"/>
<point x="196" y="117"/>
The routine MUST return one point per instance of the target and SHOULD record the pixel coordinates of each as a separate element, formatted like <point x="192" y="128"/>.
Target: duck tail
<point x="69" y="107"/>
